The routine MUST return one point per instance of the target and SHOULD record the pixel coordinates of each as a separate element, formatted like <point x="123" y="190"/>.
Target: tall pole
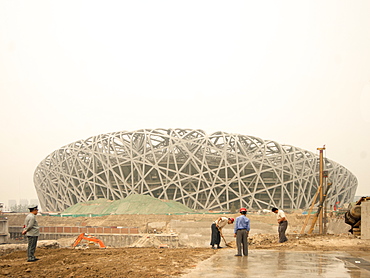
<point x="321" y="189"/>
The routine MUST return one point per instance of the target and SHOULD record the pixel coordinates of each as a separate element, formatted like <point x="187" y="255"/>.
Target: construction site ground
<point x="58" y="259"/>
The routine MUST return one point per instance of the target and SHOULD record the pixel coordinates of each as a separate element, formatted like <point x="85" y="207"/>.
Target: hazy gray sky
<point x="296" y="72"/>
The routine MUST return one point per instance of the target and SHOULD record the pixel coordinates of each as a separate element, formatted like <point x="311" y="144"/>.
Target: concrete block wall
<point x="110" y="238"/>
<point x="365" y="220"/>
<point x="119" y="240"/>
<point x="4" y="233"/>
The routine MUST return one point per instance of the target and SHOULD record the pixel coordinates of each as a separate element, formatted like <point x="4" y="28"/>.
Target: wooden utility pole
<point x="309" y="214"/>
<point x="322" y="192"/>
<point x="321" y="230"/>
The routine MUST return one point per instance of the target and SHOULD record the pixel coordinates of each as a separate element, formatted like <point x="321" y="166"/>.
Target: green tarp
<point x="133" y="204"/>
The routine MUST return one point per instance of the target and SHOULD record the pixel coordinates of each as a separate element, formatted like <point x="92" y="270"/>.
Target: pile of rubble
<point x="258" y="240"/>
<point x="147" y="241"/>
<point x="9" y="248"/>
<point x="262" y="239"/>
<point x="311" y="242"/>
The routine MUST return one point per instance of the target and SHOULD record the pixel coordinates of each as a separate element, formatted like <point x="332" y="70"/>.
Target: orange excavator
<point x="89" y="238"/>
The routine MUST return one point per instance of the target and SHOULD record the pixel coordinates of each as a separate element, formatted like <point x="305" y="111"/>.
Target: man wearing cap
<point x="216" y="229"/>
<point x="31" y="228"/>
<point x="283" y="224"/>
<point x="241" y="232"/>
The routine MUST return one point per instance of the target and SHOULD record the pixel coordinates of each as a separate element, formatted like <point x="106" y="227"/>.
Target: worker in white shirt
<point x="216" y="229"/>
<point x="283" y="224"/>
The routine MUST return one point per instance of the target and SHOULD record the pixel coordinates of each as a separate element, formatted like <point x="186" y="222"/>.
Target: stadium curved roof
<point x="216" y="171"/>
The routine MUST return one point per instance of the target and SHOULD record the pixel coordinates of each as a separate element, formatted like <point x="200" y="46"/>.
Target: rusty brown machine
<point x="353" y="216"/>
<point x="88" y="237"/>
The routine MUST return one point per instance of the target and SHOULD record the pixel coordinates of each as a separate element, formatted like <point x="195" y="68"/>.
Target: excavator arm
<point x="89" y="238"/>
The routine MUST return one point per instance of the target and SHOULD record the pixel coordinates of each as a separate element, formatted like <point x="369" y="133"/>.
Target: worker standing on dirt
<point x="31" y="228"/>
<point x="216" y="229"/>
<point x="241" y="232"/>
<point x="283" y="224"/>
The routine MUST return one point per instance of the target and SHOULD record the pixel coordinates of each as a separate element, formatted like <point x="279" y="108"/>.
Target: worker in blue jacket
<point x="241" y="232"/>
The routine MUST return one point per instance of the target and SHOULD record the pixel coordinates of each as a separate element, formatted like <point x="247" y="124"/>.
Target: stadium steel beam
<point x="203" y="171"/>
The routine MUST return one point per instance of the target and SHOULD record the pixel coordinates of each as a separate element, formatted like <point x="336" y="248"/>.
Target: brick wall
<point x="90" y="230"/>
<point x="16" y="232"/>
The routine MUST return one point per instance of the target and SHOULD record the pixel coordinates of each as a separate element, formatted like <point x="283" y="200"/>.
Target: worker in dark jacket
<point x="31" y="229"/>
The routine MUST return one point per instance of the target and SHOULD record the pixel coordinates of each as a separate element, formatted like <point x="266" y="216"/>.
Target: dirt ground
<point x="154" y="262"/>
<point x="113" y="262"/>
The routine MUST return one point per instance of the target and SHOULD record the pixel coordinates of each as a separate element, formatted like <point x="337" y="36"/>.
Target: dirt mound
<point x="10" y="248"/>
<point x="133" y="204"/>
<point x="95" y="207"/>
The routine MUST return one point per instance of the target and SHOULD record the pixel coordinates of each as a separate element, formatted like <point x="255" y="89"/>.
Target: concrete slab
<point x="287" y="264"/>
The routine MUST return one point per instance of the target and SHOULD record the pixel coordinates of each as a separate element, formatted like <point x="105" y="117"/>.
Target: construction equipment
<point x="353" y="216"/>
<point x="85" y="236"/>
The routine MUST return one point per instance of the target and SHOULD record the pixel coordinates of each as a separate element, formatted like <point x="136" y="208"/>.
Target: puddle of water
<point x="271" y="263"/>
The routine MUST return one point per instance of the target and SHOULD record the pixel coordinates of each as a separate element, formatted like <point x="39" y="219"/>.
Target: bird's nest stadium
<point x="218" y="171"/>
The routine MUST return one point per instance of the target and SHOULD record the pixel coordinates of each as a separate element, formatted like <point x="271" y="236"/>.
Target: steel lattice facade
<point x="219" y="171"/>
